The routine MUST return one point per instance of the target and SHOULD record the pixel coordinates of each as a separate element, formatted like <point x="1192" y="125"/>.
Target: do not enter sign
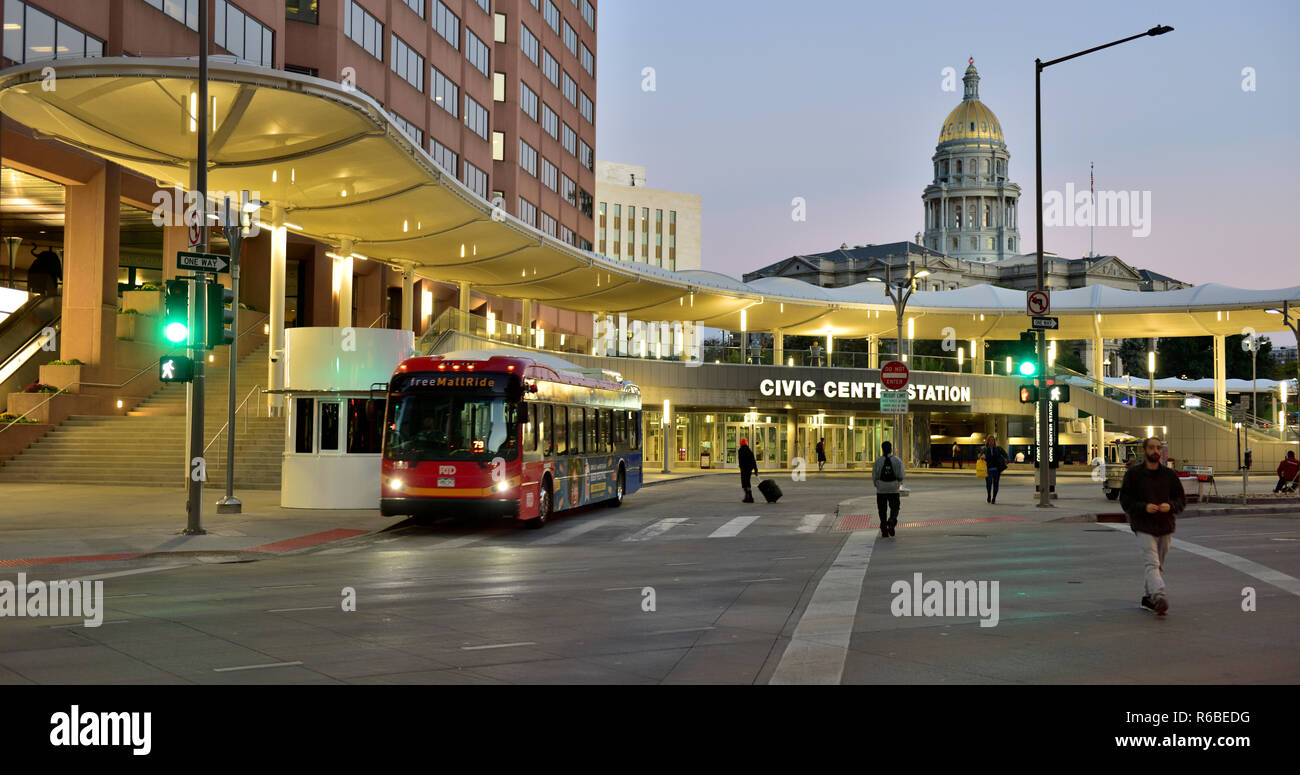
<point x="894" y="375"/>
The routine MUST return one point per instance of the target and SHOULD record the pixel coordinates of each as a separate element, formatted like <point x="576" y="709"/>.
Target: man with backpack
<point x="887" y="475"/>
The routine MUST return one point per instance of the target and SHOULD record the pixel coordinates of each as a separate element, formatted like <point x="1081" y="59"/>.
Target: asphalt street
<point x="686" y="584"/>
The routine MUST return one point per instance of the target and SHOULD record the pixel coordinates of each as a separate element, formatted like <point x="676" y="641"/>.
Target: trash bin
<point x="705" y="459"/>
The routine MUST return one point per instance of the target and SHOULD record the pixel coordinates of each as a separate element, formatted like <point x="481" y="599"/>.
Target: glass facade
<point x="714" y="437"/>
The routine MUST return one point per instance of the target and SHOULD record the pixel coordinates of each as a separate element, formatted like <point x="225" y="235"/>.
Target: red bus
<point x="507" y="433"/>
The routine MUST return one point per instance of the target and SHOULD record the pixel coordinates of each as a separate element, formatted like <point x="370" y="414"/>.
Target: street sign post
<point x="1038" y="303"/>
<point x="895" y="375"/>
<point x="1043" y="323"/>
<point x="893" y="402"/>
<point x="202" y="262"/>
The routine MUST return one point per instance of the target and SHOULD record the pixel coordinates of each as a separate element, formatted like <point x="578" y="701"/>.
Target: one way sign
<point x="175" y="368"/>
<point x="202" y="262"/>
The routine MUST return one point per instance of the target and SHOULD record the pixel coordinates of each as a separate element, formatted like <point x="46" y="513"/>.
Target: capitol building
<point x="971" y="224"/>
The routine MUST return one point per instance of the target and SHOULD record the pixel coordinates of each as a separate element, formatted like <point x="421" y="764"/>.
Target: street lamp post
<point x="1044" y="497"/>
<point x="900" y="294"/>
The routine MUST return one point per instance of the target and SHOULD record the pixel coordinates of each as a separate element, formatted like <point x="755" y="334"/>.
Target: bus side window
<point x="606" y="432"/>
<point x="634" y="432"/>
<point x="560" y="427"/>
<point x="527" y="415"/>
<point x="593" y="431"/>
<point x="575" y="430"/>
<point x="616" y="430"/>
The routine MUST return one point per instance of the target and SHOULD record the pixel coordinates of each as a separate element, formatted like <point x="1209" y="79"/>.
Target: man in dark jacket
<point x="1287" y="472"/>
<point x="748" y="466"/>
<point x="1152" y="496"/>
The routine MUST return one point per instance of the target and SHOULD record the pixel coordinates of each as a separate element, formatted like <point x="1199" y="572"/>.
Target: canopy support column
<point x="1220" y="378"/>
<point x="275" y="346"/>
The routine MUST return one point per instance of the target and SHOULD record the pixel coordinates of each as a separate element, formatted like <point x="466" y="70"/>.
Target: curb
<point x="1240" y="511"/>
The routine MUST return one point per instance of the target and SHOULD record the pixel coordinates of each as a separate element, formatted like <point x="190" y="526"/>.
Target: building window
<point x="248" y="39"/>
<point x="589" y="14"/>
<point x="498" y="146"/>
<point x="550" y="176"/>
<point x="498" y="87"/>
<point x="588" y="108"/>
<point x="585" y="156"/>
<point x="364" y="30"/>
<point x="550" y="122"/>
<point x="528" y="43"/>
<point x="527" y="212"/>
<point x="570" y="90"/>
<point x="476" y="117"/>
<point x="566" y="234"/>
<point x="527" y="101"/>
<point x="584" y="202"/>
<point x="499" y="24"/>
<point x="447" y="24"/>
<point x="569" y="191"/>
<point x="588" y="61"/>
<point x="184" y="11"/>
<point x="445" y="92"/>
<point x="528" y="158"/>
<point x="476" y="51"/>
<point x="548" y="224"/>
<point x="414" y="133"/>
<point x="31" y="35"/>
<point x="550" y="68"/>
<point x="954" y="243"/>
<point x="570" y="39"/>
<point x="570" y="139"/>
<point x="972" y="243"/>
<point x="299" y="10"/>
<point x="476" y="179"/>
<point x="443" y="156"/>
<point x="552" y="16"/>
<point x="407" y="64"/>
<point x="486" y="5"/>
<point x="417" y="6"/>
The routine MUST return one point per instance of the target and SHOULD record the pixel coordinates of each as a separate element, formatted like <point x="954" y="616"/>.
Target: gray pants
<point x="1154" y="549"/>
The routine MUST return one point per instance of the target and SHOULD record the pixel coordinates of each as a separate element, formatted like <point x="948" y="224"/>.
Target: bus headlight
<point x="396" y="484"/>
<point x="503" y="486"/>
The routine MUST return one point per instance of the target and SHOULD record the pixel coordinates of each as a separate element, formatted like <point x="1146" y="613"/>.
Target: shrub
<point x="69" y="362"/>
<point x="37" y="387"/>
<point x="130" y="312"/>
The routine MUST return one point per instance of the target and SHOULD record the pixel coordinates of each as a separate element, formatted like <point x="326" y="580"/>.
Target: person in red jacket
<point x="1152" y="496"/>
<point x="1287" y="471"/>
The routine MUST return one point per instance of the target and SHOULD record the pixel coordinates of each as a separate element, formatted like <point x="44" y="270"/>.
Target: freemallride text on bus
<point x="507" y="433"/>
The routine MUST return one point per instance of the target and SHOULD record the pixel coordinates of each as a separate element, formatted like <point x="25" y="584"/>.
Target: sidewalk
<point x="58" y="524"/>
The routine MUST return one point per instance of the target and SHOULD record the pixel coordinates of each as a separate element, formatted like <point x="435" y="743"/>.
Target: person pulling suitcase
<point x="748" y="467"/>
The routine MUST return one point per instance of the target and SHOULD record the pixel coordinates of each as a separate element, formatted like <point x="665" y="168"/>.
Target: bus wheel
<point x="620" y="488"/>
<point x="543" y="506"/>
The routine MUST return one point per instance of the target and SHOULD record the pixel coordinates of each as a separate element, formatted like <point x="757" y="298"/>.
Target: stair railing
<point x="240" y="408"/>
<point x="153" y="367"/>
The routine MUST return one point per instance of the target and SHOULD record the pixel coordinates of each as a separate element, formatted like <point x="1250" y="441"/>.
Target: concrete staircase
<point x="147" y="446"/>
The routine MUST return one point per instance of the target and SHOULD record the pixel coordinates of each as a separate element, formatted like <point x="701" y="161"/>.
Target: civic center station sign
<point x="807" y="388"/>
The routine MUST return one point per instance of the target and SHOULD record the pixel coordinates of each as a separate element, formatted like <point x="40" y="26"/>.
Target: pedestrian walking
<point x="748" y="467"/>
<point x="997" y="460"/>
<point x="1287" y="473"/>
<point x="1152" y="496"/>
<point x="821" y="453"/>
<point x="887" y="475"/>
<point x="956" y="455"/>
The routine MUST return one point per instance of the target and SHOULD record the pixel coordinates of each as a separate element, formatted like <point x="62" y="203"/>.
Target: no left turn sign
<point x="1038" y="303"/>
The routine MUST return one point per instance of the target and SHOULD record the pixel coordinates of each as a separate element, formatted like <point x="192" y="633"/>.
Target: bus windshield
<point x="447" y="426"/>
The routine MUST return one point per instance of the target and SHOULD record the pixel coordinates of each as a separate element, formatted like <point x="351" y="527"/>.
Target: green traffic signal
<point x="1028" y="368"/>
<point x="176" y="311"/>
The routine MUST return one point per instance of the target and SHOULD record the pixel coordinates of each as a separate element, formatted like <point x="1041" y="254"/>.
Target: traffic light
<point x="221" y="316"/>
<point x="1059" y="393"/>
<point x="176" y="311"/>
<point x="1027" y="355"/>
<point x="175" y="368"/>
<point x="1028" y="394"/>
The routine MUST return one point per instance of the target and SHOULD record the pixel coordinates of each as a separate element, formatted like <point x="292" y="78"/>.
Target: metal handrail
<point x="226" y="424"/>
<point x="56" y="323"/>
<point x="64" y="389"/>
<point x="383" y="317"/>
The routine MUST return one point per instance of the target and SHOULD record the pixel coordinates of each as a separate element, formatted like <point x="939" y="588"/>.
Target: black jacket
<point x="746" y="459"/>
<point x="1142" y="486"/>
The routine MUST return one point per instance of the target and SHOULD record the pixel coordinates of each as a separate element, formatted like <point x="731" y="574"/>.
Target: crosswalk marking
<point x="810" y="523"/>
<point x="1249" y="567"/>
<point x="568" y="533"/>
<point x="657" y="529"/>
<point x="733" y="527"/>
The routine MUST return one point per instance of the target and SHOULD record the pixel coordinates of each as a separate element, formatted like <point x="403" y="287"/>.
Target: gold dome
<point x="971" y="120"/>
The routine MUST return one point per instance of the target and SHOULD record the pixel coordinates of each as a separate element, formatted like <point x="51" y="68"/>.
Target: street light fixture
<point x="900" y="293"/>
<point x="1044" y="496"/>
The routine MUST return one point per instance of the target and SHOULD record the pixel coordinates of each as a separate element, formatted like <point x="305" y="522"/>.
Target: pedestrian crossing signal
<point x="1028" y="394"/>
<point x="175" y="368"/>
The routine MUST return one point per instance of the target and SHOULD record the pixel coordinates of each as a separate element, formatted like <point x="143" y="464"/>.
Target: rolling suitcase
<point x="770" y="490"/>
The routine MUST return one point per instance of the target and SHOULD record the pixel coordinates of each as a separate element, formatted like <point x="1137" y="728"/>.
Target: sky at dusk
<point x="841" y="101"/>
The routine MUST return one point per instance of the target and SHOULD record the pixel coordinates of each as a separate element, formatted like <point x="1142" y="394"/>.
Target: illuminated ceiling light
<point x="335" y="256"/>
<point x="293" y="226"/>
<point x="462" y="250"/>
<point x="406" y="226"/>
<point x="293" y="174"/>
<point x="275" y="175"/>
<point x="358" y="255"/>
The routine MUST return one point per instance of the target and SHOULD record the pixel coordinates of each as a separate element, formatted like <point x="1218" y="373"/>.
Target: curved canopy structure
<point x="343" y="171"/>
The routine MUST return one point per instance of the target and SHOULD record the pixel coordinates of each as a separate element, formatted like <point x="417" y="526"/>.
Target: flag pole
<point x="1092" y="220"/>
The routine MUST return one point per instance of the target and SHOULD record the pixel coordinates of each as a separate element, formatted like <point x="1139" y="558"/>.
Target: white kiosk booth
<point x="334" y="437"/>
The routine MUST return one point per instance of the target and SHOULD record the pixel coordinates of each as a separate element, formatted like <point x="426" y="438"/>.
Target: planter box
<point x="137" y="328"/>
<point x="144" y="302"/>
<point x="61" y="376"/>
<point x="16" y="437"/>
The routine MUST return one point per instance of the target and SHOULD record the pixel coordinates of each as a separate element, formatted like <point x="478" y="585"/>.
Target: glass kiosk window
<point x="304" y="411"/>
<point x="329" y="426"/>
